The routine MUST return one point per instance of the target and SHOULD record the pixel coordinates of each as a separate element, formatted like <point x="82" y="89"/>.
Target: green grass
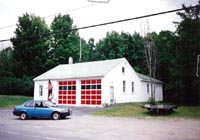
<point x="187" y="112"/>
<point x="11" y="101"/>
<point x="135" y="110"/>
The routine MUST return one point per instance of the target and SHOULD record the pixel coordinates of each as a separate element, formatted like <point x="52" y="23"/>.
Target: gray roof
<point x="80" y="70"/>
<point x="147" y="78"/>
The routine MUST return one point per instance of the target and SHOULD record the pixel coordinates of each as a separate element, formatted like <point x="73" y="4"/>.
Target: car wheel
<point x="55" y="116"/>
<point x="23" y="116"/>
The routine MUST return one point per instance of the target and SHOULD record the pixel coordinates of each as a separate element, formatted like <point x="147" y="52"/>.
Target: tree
<point x="91" y="48"/>
<point x="116" y="45"/>
<point x="150" y="50"/>
<point x="65" y="41"/>
<point x="188" y="32"/>
<point x="167" y="68"/>
<point x="151" y="59"/>
<point x="111" y="46"/>
<point x="9" y="83"/>
<point x="30" y="45"/>
<point x="6" y="62"/>
<point x="135" y="52"/>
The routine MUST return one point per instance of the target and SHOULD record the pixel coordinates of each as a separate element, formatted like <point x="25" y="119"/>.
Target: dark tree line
<point x="36" y="50"/>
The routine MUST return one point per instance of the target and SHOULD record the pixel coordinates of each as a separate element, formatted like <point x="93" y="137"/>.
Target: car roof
<point x="40" y="100"/>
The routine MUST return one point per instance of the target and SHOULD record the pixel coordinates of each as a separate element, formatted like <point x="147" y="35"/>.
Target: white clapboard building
<point x="95" y="83"/>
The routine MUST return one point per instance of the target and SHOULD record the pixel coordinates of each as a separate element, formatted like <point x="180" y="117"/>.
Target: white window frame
<point x="124" y="86"/>
<point x="148" y="88"/>
<point x="40" y="90"/>
<point x="132" y="87"/>
<point x="123" y="70"/>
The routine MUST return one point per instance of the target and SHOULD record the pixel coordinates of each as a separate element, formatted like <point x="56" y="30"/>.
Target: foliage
<point x="116" y="45"/>
<point x="65" y="41"/>
<point x="9" y="83"/>
<point x="188" y="31"/>
<point x="30" y="45"/>
<point x="16" y="86"/>
<point x="167" y="63"/>
<point x="6" y="62"/>
<point x="151" y="101"/>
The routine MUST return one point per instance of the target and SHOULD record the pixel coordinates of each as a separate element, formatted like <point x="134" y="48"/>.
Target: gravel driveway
<point x="82" y="126"/>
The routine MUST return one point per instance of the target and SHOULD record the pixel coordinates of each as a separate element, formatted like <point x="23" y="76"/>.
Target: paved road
<point x="82" y="126"/>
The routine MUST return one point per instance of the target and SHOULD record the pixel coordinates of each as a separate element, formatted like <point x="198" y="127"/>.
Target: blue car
<point x="41" y="109"/>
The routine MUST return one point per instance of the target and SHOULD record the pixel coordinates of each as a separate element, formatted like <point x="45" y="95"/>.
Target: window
<point x="29" y="104"/>
<point x="147" y="88"/>
<point x="40" y="90"/>
<point x="123" y="70"/>
<point x="132" y="87"/>
<point x="124" y="86"/>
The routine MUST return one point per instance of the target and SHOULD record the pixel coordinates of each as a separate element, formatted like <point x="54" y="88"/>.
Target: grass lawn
<point x="11" y="100"/>
<point x="135" y="110"/>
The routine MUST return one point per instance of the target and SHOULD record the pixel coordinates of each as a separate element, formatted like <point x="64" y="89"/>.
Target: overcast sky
<point x="86" y="13"/>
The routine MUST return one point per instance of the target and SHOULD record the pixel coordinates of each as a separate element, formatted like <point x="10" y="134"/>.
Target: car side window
<point x="29" y="104"/>
<point x="40" y="105"/>
<point x="45" y="105"/>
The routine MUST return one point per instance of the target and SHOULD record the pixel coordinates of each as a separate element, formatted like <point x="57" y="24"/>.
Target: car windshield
<point x="29" y="103"/>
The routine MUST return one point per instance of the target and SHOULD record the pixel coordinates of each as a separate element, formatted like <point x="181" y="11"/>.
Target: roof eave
<point x="156" y="82"/>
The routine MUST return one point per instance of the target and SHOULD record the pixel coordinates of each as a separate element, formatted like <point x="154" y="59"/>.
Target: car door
<point x="42" y="110"/>
<point x="29" y="108"/>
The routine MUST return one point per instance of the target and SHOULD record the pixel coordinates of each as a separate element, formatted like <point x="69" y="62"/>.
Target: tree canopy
<point x="30" y="45"/>
<point x="116" y="45"/>
<point x="65" y="40"/>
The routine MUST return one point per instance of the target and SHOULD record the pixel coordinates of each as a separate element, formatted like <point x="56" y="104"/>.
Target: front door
<point x="112" y="99"/>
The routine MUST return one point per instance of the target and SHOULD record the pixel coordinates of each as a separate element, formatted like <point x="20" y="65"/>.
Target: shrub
<point x="16" y="86"/>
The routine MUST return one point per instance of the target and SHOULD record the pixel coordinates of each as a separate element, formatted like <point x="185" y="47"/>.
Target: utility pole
<point x="80" y="54"/>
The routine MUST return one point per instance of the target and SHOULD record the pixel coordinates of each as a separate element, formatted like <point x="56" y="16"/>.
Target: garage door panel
<point x="67" y="92"/>
<point x="91" y="92"/>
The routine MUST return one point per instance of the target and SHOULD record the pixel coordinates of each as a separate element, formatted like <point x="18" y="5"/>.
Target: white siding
<point x="116" y="77"/>
<point x="45" y="89"/>
<point x="159" y="92"/>
<point x="146" y="96"/>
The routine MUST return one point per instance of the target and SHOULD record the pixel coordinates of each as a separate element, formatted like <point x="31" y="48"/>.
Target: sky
<point x="85" y="13"/>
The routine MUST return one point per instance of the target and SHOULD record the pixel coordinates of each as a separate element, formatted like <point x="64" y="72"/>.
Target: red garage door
<point x="67" y="92"/>
<point x="91" y="92"/>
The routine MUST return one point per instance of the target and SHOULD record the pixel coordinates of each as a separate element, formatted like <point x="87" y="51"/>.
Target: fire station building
<point x="95" y="83"/>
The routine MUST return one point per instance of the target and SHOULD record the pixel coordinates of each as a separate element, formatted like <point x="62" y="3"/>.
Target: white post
<point x="80" y="51"/>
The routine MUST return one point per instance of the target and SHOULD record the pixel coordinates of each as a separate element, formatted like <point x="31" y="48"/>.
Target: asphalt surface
<point x="82" y="126"/>
<point x="12" y="128"/>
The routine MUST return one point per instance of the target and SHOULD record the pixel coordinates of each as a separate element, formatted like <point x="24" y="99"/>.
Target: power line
<point x="71" y="10"/>
<point x="7" y="26"/>
<point x="106" y="1"/>
<point x="112" y="22"/>
<point x="145" y="16"/>
<point x="75" y="9"/>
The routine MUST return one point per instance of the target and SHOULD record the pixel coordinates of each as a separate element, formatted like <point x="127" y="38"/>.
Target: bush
<point x="16" y="86"/>
<point x="151" y="101"/>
